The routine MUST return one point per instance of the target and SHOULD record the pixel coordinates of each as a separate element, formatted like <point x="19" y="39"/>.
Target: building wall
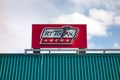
<point x="60" y="67"/>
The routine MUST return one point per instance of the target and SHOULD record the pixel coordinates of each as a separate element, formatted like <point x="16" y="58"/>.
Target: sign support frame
<point x="77" y="50"/>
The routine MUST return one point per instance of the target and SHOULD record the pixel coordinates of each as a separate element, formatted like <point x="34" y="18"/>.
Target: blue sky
<point x="17" y="16"/>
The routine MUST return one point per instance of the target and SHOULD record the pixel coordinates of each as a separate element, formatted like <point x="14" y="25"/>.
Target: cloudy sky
<point x="17" y="16"/>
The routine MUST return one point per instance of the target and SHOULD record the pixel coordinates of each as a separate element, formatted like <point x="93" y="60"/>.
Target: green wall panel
<point x="60" y="67"/>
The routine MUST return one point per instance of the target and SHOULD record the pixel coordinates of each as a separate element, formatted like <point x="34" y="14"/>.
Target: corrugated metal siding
<point x="60" y="67"/>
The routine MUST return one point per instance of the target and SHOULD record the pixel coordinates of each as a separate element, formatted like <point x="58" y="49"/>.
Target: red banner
<point x="59" y="36"/>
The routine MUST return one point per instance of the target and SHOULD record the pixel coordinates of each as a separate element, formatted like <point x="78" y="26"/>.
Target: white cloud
<point x="102" y="15"/>
<point x="16" y="19"/>
<point x="94" y="27"/>
<point x="97" y="22"/>
<point x="117" y="20"/>
<point x="84" y="2"/>
<point x="107" y="4"/>
<point x="116" y="45"/>
<point x="106" y="17"/>
<point x="92" y="46"/>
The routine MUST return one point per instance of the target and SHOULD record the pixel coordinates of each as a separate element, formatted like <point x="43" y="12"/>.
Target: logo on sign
<point x="58" y="36"/>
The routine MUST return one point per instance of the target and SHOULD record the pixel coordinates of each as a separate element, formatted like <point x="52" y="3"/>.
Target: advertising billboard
<point x="59" y="36"/>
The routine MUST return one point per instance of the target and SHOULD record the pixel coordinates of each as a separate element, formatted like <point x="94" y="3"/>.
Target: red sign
<point x="59" y="36"/>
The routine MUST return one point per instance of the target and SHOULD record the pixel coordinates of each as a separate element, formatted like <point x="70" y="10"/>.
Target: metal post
<point x="103" y="51"/>
<point x="36" y="52"/>
<point x="49" y="51"/>
<point x="80" y="51"/>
